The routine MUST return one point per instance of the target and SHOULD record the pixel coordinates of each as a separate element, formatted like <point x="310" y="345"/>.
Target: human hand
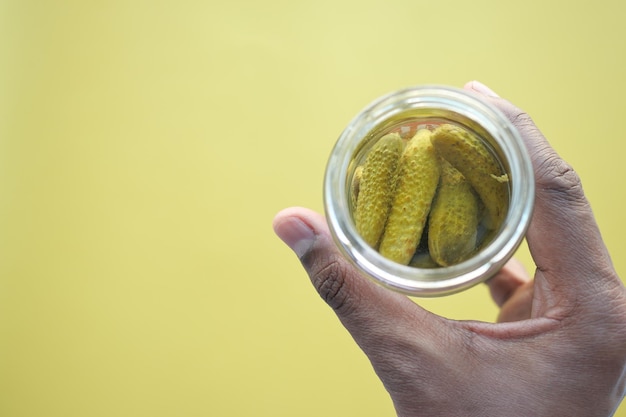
<point x="559" y="348"/>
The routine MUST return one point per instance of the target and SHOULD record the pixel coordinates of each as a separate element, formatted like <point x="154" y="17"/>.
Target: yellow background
<point x="145" y="147"/>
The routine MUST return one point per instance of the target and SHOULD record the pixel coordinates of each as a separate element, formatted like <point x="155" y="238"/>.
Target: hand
<point x="559" y="348"/>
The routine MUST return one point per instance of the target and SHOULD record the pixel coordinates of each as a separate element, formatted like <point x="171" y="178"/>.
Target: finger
<point x="372" y="314"/>
<point x="519" y="305"/>
<point x="563" y="237"/>
<point x="504" y="284"/>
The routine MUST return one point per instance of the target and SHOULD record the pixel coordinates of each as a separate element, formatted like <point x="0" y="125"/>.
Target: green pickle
<point x="453" y="219"/>
<point x="416" y="184"/>
<point x="431" y="198"/>
<point x="375" y="188"/>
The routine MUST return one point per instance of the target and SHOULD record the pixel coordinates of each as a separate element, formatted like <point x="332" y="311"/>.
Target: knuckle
<point x="522" y="119"/>
<point x="554" y="175"/>
<point x="329" y="277"/>
<point x="557" y="177"/>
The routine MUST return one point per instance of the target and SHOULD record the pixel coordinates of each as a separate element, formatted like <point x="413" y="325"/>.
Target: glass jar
<point x="405" y="112"/>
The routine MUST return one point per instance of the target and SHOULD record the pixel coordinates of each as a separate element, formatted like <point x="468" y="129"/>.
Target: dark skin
<point x="559" y="345"/>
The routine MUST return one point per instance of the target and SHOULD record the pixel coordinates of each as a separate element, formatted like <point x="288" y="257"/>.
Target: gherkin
<point x="453" y="221"/>
<point x="418" y="176"/>
<point x="376" y="187"/>
<point x="423" y="260"/>
<point x="355" y="185"/>
<point x="470" y="156"/>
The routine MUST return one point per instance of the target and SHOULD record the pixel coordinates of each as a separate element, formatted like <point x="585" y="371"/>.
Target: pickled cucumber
<point x="355" y="185"/>
<point x="453" y="220"/>
<point x="470" y="156"/>
<point x="418" y="176"/>
<point x="376" y="187"/>
<point x="423" y="260"/>
<point x="429" y="201"/>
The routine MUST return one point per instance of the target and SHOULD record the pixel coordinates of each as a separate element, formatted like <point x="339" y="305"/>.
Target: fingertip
<point x="296" y="226"/>
<point x="284" y="215"/>
<point x="502" y="285"/>
<point x="481" y="88"/>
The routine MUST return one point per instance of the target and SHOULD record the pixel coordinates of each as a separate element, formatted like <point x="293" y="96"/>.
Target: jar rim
<point x="442" y="280"/>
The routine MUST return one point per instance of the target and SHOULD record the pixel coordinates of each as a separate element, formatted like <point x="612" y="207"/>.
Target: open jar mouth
<point x="402" y="111"/>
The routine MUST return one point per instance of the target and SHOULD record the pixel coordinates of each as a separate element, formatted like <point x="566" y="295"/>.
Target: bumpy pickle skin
<point x="355" y="185"/>
<point x="423" y="260"/>
<point x="376" y="187"/>
<point x="418" y="176"/>
<point x="470" y="156"/>
<point x="453" y="221"/>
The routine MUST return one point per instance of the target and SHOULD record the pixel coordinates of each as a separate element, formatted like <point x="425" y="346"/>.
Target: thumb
<point x="374" y="315"/>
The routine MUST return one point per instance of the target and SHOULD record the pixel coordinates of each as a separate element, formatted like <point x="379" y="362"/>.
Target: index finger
<point x="563" y="236"/>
